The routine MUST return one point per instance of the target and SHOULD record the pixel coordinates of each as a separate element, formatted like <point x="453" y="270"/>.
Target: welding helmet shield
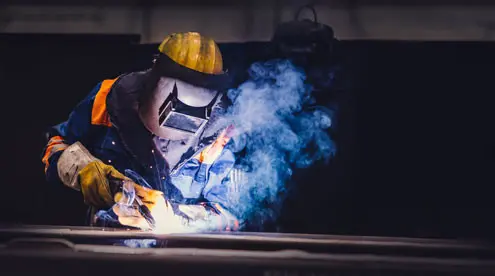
<point x="177" y="110"/>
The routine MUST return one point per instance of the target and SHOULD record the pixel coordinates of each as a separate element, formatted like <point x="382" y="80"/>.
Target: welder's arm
<point x="222" y="189"/>
<point x="223" y="183"/>
<point x="68" y="161"/>
<point x="100" y="184"/>
<point x="222" y="196"/>
<point x="215" y="215"/>
<point x="97" y="181"/>
<point x="76" y="128"/>
<point x="169" y="217"/>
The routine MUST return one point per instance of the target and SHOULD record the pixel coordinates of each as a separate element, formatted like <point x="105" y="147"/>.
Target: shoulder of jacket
<point x="133" y="80"/>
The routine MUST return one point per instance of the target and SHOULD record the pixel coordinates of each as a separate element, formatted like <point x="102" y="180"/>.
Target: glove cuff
<point x="71" y="162"/>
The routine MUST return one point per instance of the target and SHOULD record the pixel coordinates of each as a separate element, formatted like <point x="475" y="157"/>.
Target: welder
<point x="153" y="129"/>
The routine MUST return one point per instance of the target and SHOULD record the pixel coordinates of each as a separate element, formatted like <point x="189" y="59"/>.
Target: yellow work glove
<point x="99" y="182"/>
<point x="101" y="185"/>
<point x="131" y="213"/>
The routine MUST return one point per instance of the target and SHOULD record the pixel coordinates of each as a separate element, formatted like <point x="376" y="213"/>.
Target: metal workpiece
<point x="70" y="249"/>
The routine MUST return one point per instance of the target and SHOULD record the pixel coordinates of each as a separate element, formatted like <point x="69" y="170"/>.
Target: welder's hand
<point x="149" y="197"/>
<point x="142" y="208"/>
<point x="99" y="183"/>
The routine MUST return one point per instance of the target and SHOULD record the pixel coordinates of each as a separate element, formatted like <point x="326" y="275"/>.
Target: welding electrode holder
<point x="129" y="194"/>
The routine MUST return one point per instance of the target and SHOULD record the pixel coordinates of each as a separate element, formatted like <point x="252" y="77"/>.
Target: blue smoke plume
<point x="279" y="133"/>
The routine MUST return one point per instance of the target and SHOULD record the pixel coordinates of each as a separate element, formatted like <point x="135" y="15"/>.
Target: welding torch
<point x="146" y="213"/>
<point x="142" y="208"/>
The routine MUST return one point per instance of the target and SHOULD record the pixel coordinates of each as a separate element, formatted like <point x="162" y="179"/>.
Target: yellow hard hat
<point x="194" y="51"/>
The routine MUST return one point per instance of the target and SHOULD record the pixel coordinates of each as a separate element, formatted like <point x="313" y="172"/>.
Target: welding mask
<point x="177" y="110"/>
<point x="190" y="82"/>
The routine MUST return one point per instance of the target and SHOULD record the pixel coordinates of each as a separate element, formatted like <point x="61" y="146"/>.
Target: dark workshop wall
<point x="45" y="76"/>
<point x="415" y="132"/>
<point x="426" y="138"/>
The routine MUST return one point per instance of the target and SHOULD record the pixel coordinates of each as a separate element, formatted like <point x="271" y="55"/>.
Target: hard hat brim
<point x="167" y="67"/>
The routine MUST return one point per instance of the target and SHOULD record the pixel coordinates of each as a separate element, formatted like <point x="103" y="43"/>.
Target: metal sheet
<point x="260" y="241"/>
<point x="88" y="250"/>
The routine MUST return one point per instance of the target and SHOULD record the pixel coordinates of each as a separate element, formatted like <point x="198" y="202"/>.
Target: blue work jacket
<point x="107" y="124"/>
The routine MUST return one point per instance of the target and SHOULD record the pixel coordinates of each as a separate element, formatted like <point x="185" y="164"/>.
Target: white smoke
<point x="280" y="134"/>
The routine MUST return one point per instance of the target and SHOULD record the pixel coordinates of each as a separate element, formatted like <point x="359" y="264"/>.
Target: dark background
<point x="416" y="146"/>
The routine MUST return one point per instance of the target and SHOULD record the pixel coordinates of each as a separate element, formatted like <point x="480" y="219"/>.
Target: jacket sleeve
<point x="59" y="137"/>
<point x="207" y="176"/>
<point x="223" y="188"/>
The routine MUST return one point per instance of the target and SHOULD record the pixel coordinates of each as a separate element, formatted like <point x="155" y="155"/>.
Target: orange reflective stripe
<point x="56" y="139"/>
<point x="55" y="144"/>
<point x="50" y="152"/>
<point x="99" y="114"/>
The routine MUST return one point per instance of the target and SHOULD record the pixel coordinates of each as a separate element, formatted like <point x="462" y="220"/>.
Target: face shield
<point x="177" y="110"/>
